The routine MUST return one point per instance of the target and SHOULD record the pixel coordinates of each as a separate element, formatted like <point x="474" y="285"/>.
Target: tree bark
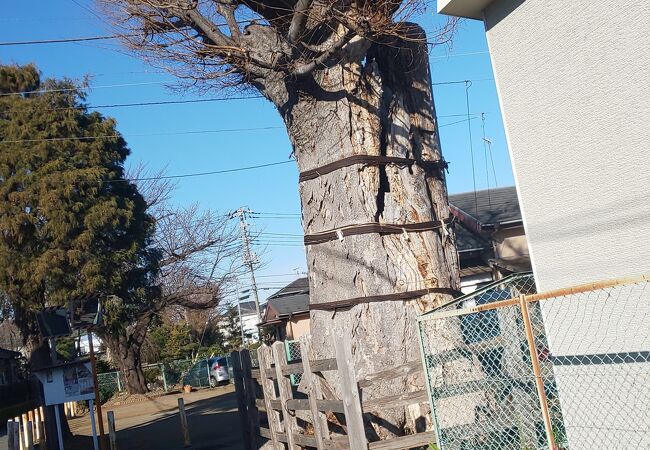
<point x="381" y="106"/>
<point x="126" y="354"/>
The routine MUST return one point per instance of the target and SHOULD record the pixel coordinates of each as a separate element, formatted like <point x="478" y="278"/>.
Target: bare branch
<point x="299" y="20"/>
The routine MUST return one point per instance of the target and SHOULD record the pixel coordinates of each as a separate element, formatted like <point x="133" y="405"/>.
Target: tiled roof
<point x="291" y="299"/>
<point x="500" y="205"/>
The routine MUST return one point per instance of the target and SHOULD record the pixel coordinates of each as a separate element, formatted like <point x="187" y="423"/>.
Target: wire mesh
<point x="481" y="382"/>
<point x="599" y="355"/>
<point x="109" y="383"/>
<point x="592" y="348"/>
<point x="293" y="355"/>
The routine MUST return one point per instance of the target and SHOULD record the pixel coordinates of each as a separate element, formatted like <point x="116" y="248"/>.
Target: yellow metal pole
<point x="539" y="382"/>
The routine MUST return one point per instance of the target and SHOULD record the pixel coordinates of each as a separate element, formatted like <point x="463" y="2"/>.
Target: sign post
<point x="100" y="418"/>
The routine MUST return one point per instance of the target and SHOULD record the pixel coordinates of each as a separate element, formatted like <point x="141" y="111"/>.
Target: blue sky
<point x="274" y="189"/>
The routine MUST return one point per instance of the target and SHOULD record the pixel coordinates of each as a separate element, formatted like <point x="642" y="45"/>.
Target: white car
<point x="219" y="370"/>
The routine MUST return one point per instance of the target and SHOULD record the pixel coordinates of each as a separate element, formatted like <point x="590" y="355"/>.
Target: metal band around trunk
<point x="370" y="160"/>
<point x="400" y="296"/>
<point x="368" y="228"/>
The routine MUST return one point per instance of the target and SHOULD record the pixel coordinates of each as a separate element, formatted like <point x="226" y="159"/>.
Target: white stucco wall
<point x="574" y="86"/>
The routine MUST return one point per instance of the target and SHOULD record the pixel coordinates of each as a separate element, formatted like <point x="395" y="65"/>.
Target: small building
<point x="490" y="236"/>
<point x="287" y="311"/>
<point x="9" y="367"/>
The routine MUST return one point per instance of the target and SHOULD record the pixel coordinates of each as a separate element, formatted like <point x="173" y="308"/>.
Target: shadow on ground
<point x="213" y="423"/>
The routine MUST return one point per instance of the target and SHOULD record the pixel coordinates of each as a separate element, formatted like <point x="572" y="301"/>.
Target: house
<point x="574" y="87"/>
<point x="490" y="236"/>
<point x="249" y="319"/>
<point x="9" y="367"/>
<point x="287" y="312"/>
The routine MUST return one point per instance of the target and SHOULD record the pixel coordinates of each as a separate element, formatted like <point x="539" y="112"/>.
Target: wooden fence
<point x="303" y="422"/>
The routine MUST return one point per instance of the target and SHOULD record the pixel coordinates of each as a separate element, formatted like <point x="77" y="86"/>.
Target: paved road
<point x="154" y="425"/>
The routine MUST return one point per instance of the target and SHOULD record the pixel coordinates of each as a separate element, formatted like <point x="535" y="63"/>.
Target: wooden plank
<point x="259" y="402"/>
<point x="255" y="373"/>
<point x="396" y="401"/>
<point x="404" y="442"/>
<point x="323" y="365"/>
<point x="304" y="441"/>
<point x="321" y="405"/>
<point x="291" y="369"/>
<point x="265" y="432"/>
<point x="350" y="391"/>
<point x="319" y="420"/>
<point x="409" y="368"/>
<point x="240" y="394"/>
<point x="335" y="406"/>
<point x="286" y="394"/>
<point x="264" y="358"/>
<point x="250" y="386"/>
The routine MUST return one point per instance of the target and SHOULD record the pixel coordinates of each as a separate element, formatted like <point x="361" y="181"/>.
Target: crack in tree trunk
<point x="381" y="107"/>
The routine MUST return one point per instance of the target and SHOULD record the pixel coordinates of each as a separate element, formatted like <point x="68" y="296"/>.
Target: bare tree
<point x="351" y="80"/>
<point x="198" y="262"/>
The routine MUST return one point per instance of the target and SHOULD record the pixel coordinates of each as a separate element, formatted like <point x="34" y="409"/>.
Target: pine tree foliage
<point x="68" y="225"/>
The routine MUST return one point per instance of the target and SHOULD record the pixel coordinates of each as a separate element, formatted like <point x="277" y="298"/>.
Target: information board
<point x="68" y="383"/>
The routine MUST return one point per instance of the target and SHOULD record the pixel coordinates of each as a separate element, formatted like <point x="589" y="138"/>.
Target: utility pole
<point x="241" y="322"/>
<point x="248" y="257"/>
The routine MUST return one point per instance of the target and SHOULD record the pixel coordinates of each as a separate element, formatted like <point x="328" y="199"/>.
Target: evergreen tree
<point x="70" y="224"/>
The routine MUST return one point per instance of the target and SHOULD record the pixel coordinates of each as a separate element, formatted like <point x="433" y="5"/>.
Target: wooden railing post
<point x="184" y="427"/>
<point x="11" y="443"/>
<point x="29" y="435"/>
<point x="286" y="394"/>
<point x="240" y="392"/>
<point x="250" y="387"/>
<point x="319" y="420"/>
<point x="112" y="437"/>
<point x="264" y="357"/>
<point x="350" y="392"/>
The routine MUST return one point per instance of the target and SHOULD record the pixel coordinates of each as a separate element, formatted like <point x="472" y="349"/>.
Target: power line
<point x="110" y="136"/>
<point x="160" y="102"/>
<point x="451" y="55"/>
<point x="468" y="84"/>
<point x="199" y="174"/>
<point x="85" y="88"/>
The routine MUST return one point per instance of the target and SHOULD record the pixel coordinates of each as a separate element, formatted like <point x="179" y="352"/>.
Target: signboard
<point x="67" y="383"/>
<point x="53" y="322"/>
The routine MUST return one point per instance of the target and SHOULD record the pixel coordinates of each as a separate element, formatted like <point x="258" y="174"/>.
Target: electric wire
<point x="468" y="84"/>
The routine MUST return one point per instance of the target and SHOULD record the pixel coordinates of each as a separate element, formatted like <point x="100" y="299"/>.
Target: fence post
<point x="319" y="420"/>
<point x="18" y="433"/>
<point x="539" y="382"/>
<point x="242" y="404"/>
<point x="29" y="430"/>
<point x="164" y="376"/>
<point x="286" y="394"/>
<point x="183" y="416"/>
<point x="250" y="387"/>
<point x="119" y="382"/>
<point x="264" y="358"/>
<point x="11" y="443"/>
<point x="350" y="391"/>
<point x="112" y="438"/>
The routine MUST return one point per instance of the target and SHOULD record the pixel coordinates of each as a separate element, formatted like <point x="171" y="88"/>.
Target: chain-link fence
<point x="293" y="355"/>
<point x="511" y="369"/>
<point x="109" y="383"/>
<point x="165" y="376"/>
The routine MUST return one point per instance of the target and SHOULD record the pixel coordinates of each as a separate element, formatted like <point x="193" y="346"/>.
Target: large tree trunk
<point x="381" y="107"/>
<point x="125" y="352"/>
